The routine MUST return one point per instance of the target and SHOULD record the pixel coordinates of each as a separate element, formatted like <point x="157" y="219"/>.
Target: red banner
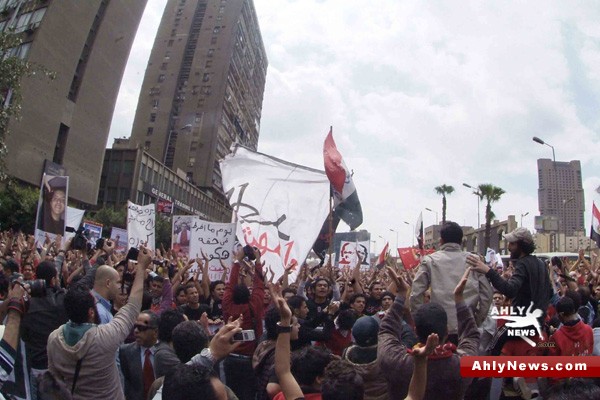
<point x="411" y="257"/>
<point x="164" y="206"/>
<point x="531" y="366"/>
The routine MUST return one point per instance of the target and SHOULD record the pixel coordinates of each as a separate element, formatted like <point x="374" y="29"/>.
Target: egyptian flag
<point x="346" y="204"/>
<point x="595" y="231"/>
<point x="381" y="260"/>
<point x="325" y="236"/>
<point x="419" y="231"/>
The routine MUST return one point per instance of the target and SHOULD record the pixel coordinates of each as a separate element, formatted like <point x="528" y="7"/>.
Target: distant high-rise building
<point x="560" y="194"/>
<point x="65" y="122"/>
<point x="203" y="88"/>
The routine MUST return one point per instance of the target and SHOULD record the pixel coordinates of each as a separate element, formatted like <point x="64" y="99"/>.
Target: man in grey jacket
<point x="442" y="271"/>
<point x="82" y="353"/>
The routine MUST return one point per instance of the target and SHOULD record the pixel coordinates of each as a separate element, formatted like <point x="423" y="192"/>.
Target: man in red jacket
<point x="574" y="337"/>
<point x="238" y="300"/>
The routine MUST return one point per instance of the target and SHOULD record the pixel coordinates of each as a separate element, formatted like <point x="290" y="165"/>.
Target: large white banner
<point x="74" y="218"/>
<point x="349" y="253"/>
<point x="140" y="225"/>
<point x="280" y="206"/>
<point x="216" y="241"/>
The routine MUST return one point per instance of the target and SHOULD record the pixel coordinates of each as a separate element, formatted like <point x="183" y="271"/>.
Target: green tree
<point x="18" y="207"/>
<point x="491" y="194"/>
<point x="163" y="231"/>
<point x="12" y="69"/>
<point x="444" y="190"/>
<point x="109" y="217"/>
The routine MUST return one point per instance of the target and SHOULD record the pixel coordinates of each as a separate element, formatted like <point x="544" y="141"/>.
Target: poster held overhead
<point x="214" y="240"/>
<point x="52" y="207"/>
<point x="140" y="225"/>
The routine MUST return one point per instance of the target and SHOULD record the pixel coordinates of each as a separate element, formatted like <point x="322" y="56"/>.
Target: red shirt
<point x="573" y="340"/>
<point x="338" y="342"/>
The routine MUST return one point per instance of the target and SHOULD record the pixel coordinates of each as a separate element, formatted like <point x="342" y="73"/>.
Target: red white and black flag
<point x="346" y="204"/>
<point x="419" y="231"/>
<point x="595" y="231"/>
<point x="382" y="256"/>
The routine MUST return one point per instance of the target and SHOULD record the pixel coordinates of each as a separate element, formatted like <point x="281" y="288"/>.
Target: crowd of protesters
<point x="93" y="324"/>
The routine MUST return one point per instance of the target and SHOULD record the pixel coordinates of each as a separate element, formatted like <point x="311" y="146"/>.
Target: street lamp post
<point x="523" y="215"/>
<point x="540" y="141"/>
<point x="436" y="214"/>
<point x="477" y="193"/>
<point x="412" y="233"/>
<point x="396" y="232"/>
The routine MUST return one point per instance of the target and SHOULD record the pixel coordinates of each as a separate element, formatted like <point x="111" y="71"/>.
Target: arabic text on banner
<point x="140" y="225"/>
<point x="216" y="241"/>
<point x="280" y="206"/>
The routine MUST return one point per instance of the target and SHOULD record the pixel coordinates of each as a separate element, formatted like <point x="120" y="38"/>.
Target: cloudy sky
<point x="421" y="94"/>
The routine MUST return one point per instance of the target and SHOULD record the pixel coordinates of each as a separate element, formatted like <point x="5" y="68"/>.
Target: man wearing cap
<point x="529" y="286"/>
<point x="363" y="357"/>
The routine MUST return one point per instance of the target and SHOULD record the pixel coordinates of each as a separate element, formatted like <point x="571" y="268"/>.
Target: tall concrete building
<point x="203" y="88"/>
<point x="560" y="194"/>
<point x="65" y="122"/>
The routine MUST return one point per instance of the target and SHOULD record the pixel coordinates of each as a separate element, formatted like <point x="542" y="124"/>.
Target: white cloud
<point x="421" y="94"/>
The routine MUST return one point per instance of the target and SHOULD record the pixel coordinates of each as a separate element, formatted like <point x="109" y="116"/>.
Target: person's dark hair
<point x="556" y="261"/>
<point x="12" y="265"/>
<point x="574" y="388"/>
<point x="295" y="302"/>
<point x="188" y="340"/>
<point x="526" y="247"/>
<point x="451" y="232"/>
<point x="346" y="319"/>
<point x="154" y="319"/>
<point x="341" y="381"/>
<point x="189" y="286"/>
<point x="314" y="285"/>
<point x="241" y="294"/>
<point x="585" y="294"/>
<point x="186" y="379"/>
<point x="575" y="296"/>
<point x="431" y="318"/>
<point x="169" y="319"/>
<point x="180" y="288"/>
<point x="373" y="284"/>
<point x="566" y="306"/>
<point x="78" y="301"/>
<point x="46" y="271"/>
<point x="388" y="294"/>
<point x="356" y="296"/>
<point x="271" y="319"/>
<point x="288" y="290"/>
<point x="308" y="363"/>
<point x="214" y="284"/>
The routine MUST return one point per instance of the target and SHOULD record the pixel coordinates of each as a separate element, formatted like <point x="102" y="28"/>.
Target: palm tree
<point x="491" y="194"/>
<point x="444" y="190"/>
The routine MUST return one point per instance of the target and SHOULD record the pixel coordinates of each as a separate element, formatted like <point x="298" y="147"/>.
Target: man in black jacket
<point x="529" y="287"/>
<point x="45" y="315"/>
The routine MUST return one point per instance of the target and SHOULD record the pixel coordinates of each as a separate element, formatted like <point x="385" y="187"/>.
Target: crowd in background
<point x="89" y="323"/>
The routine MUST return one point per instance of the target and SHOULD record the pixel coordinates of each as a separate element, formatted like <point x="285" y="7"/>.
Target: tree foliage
<point x="18" y="207"/>
<point x="491" y="194"/>
<point x="12" y="70"/>
<point x="444" y="190"/>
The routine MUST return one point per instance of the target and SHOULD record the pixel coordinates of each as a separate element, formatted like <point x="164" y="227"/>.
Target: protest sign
<point x="140" y="225"/>
<point x="349" y="253"/>
<point x="94" y="232"/>
<point x="52" y="206"/>
<point x="119" y="237"/>
<point x="214" y="240"/>
<point x="181" y="234"/>
<point x="73" y="221"/>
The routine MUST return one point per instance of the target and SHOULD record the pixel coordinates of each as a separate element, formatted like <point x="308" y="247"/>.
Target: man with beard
<point x="529" y="286"/>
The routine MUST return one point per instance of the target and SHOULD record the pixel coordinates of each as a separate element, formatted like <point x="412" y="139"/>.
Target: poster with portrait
<point x="119" y="237"/>
<point x="216" y="241"/>
<point x="52" y="207"/>
<point x="349" y="253"/>
<point x="94" y="232"/>
<point x="141" y="225"/>
<point x="181" y="234"/>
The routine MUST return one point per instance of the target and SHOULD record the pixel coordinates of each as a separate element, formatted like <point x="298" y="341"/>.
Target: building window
<point x="155" y="103"/>
<point x="161" y="78"/>
<point x="206" y="77"/>
<point x="152" y="117"/>
<point x="150" y="131"/>
<point x="208" y="63"/>
<point x="147" y="145"/>
<point x="163" y="66"/>
<point x="210" y="53"/>
<point x="216" y="30"/>
<point x="170" y="43"/>
<point x="61" y="144"/>
<point x="213" y="40"/>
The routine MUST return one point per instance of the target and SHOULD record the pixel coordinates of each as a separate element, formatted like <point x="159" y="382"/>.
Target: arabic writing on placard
<point x="140" y="225"/>
<point x="215" y="241"/>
